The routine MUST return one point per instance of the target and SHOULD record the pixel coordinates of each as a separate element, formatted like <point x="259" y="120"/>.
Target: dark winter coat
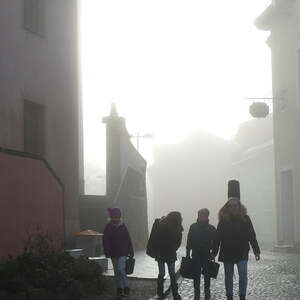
<point x="117" y="241"/>
<point x="233" y="238"/>
<point x="200" y="239"/>
<point x="169" y="237"/>
<point x="153" y="241"/>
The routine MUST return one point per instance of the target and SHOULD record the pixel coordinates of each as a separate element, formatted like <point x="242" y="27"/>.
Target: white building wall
<point x="255" y="171"/>
<point x="43" y="69"/>
<point x="284" y="42"/>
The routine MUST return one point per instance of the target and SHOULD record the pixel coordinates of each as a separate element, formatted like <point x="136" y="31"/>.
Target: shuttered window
<point x="34" y="128"/>
<point x="34" y="16"/>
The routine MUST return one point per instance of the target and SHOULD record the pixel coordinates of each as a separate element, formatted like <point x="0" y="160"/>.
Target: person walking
<point x="200" y="240"/>
<point x="234" y="233"/>
<point x="118" y="246"/>
<point x="169" y="237"/>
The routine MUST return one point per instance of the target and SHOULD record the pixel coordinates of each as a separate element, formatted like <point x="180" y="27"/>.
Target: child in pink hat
<point x="118" y="246"/>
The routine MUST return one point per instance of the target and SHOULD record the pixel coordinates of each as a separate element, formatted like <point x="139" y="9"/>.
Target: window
<point x="34" y="128"/>
<point x="34" y="16"/>
<point x="298" y="77"/>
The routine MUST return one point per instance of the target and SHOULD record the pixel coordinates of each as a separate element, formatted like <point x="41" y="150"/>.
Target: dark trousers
<point x="200" y="266"/>
<point x="161" y="275"/>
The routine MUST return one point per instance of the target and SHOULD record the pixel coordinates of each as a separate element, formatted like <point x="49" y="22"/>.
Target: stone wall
<point x="132" y="199"/>
<point x="93" y="212"/>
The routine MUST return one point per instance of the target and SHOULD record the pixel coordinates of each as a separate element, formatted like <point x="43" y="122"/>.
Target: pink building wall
<point x="44" y="70"/>
<point x="30" y="197"/>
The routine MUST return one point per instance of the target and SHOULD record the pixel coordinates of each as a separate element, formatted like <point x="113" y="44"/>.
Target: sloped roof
<point x="255" y="132"/>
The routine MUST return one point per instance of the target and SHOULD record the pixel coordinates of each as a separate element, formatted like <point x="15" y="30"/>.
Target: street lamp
<point x="138" y="136"/>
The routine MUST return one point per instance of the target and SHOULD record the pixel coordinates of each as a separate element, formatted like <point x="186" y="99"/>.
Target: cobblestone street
<point x="275" y="276"/>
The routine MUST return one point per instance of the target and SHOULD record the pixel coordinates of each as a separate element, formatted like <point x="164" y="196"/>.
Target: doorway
<point x="287" y="207"/>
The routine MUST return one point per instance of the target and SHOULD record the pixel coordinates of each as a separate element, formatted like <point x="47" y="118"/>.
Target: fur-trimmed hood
<point x="224" y="214"/>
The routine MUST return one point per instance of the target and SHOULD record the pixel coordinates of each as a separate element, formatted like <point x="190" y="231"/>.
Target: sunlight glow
<point x="171" y="67"/>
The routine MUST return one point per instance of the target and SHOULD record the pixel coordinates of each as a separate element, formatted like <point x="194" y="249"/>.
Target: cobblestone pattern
<point x="275" y="276"/>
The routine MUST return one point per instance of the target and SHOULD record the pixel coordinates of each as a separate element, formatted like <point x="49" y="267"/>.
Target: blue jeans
<point x="243" y="277"/>
<point x="119" y="264"/>
<point x="161" y="275"/>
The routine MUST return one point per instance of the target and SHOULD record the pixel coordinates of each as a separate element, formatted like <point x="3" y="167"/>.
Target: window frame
<point x="34" y="17"/>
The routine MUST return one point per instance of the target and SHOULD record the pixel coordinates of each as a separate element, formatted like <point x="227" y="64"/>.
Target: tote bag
<point x="129" y="266"/>
<point x="213" y="269"/>
<point x="186" y="268"/>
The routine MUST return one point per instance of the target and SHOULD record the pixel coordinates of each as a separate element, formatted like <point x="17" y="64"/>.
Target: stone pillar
<point x="115" y="125"/>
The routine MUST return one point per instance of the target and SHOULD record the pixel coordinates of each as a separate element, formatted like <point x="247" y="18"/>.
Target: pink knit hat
<point x="114" y="212"/>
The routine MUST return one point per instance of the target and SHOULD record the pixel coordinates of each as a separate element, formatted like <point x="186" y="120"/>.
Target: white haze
<point x="171" y="67"/>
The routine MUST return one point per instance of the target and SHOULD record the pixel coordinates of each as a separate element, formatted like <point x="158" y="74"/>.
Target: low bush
<point x="42" y="266"/>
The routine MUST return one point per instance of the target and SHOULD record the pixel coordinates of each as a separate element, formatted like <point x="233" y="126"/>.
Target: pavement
<point x="145" y="266"/>
<point x="275" y="276"/>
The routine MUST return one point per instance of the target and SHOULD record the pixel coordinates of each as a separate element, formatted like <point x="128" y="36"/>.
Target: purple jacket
<point x="116" y="241"/>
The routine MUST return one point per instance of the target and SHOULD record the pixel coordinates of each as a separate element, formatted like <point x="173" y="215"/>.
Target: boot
<point x="207" y="294"/>
<point x="196" y="295"/>
<point x="160" y="288"/>
<point x="176" y="297"/>
<point x="119" y="292"/>
<point x="174" y="288"/>
<point x="126" y="291"/>
<point x="242" y="297"/>
<point x="229" y="297"/>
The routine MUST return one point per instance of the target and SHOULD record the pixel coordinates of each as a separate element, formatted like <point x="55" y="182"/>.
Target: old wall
<point x="126" y="178"/>
<point x="43" y="69"/>
<point x="282" y="19"/>
<point x="31" y="197"/>
<point x="93" y="212"/>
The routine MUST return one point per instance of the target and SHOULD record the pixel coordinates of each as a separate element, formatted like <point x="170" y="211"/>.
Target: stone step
<point x="284" y="248"/>
<point x="101" y="260"/>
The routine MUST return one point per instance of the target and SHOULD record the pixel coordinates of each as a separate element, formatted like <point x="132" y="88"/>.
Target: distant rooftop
<point x="255" y="132"/>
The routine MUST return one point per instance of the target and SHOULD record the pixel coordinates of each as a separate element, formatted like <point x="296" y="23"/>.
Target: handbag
<point x="212" y="269"/>
<point x="186" y="268"/>
<point x="129" y="265"/>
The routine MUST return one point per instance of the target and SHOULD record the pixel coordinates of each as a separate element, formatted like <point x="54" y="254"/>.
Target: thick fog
<point x="193" y="174"/>
<point x="182" y="75"/>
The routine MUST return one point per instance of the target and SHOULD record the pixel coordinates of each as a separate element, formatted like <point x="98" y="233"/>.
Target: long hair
<point x="174" y="220"/>
<point x="225" y="212"/>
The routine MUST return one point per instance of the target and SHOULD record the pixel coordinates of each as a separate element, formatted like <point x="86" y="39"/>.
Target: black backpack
<point x="153" y="242"/>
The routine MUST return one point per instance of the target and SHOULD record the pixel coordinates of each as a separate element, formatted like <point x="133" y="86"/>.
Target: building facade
<point x="282" y="19"/>
<point x="253" y="166"/>
<point x="125" y="185"/>
<point x="31" y="202"/>
<point x="39" y="98"/>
